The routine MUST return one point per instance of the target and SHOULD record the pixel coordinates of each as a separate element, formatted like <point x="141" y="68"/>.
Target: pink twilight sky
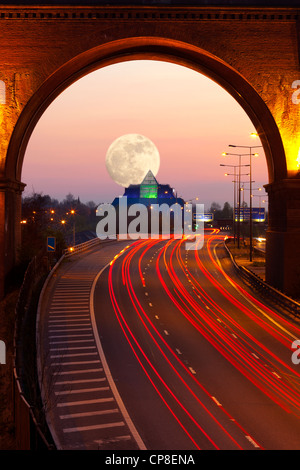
<point x="189" y="118"/>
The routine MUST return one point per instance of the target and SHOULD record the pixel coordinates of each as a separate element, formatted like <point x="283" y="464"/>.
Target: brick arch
<point x="157" y="49"/>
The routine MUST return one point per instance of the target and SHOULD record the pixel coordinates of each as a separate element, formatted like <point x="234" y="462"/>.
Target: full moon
<point x="130" y="157"/>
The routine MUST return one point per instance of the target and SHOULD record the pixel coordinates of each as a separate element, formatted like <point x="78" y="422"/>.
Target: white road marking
<point x="72" y="341"/>
<point x="82" y="390"/>
<point x="74" y="363"/>
<point x="216" y="401"/>
<point x="82" y="371"/>
<point x="114" y="389"/>
<point x="73" y="355"/>
<point x="95" y="426"/>
<point x="252" y="441"/>
<point x="72" y="382"/>
<point x="85" y="402"/>
<point x="276" y="375"/>
<point x="89" y="413"/>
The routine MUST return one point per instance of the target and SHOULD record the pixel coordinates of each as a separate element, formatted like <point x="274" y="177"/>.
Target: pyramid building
<point x="149" y="192"/>
<point x="149" y="186"/>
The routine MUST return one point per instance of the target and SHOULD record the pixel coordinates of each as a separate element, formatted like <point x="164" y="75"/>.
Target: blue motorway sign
<point x="204" y="217"/>
<point x="51" y="243"/>
<point x="258" y="214"/>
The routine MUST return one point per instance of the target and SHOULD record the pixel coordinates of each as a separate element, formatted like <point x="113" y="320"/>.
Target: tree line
<point x="43" y="216"/>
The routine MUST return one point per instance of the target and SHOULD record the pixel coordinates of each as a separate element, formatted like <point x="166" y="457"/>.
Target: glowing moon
<point x="130" y="157"/>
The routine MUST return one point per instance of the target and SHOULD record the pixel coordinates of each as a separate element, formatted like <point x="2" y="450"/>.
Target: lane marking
<point x="89" y="413"/>
<point x="72" y="348"/>
<point x="73" y="363"/>
<point x="95" y="426"/>
<point x="276" y="375"/>
<point x="72" y="382"/>
<point x="252" y="441"/>
<point x="82" y="371"/>
<point x="82" y="390"/>
<point x="85" y="402"/>
<point x="113" y="440"/>
<point x="69" y="336"/>
<point x="216" y="401"/>
<point x="112" y="384"/>
<point x="73" y="355"/>
<point x="72" y="341"/>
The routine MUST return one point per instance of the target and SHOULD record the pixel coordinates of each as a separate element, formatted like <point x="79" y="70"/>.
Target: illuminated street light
<point x="250" y="156"/>
<point x="73" y="213"/>
<point x="225" y="154"/>
<point x="236" y="233"/>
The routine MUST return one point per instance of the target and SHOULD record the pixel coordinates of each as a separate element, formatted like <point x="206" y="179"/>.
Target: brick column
<point x="283" y="237"/>
<point x="10" y="229"/>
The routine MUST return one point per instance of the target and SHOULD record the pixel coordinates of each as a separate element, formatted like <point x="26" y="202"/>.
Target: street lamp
<point x="73" y="213"/>
<point x="250" y="147"/>
<point x="239" y="190"/>
<point x="235" y="181"/>
<point x="234" y="197"/>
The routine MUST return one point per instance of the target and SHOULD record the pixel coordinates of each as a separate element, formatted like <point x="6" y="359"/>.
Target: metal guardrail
<point x="265" y="289"/>
<point x="81" y="247"/>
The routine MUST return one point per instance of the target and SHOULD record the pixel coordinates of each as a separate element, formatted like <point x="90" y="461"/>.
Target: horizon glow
<point x="189" y="118"/>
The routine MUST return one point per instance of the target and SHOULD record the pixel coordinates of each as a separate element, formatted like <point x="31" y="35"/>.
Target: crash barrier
<point x="81" y="247"/>
<point x="276" y="296"/>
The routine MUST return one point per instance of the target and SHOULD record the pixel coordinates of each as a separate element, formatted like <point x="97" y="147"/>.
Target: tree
<point x="227" y="211"/>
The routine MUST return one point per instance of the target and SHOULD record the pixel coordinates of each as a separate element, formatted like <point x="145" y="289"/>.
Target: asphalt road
<point x="200" y="363"/>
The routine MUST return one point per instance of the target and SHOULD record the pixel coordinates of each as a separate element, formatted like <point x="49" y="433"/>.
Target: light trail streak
<point x="125" y="268"/>
<point x="123" y="325"/>
<point x="226" y="351"/>
<point x="188" y="370"/>
<point x="252" y="366"/>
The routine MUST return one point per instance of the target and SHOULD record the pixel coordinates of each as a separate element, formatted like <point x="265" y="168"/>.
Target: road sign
<point x="51" y="243"/>
<point x="204" y="217"/>
<point x="258" y="214"/>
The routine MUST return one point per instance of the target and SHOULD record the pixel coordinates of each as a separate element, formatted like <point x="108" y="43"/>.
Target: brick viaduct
<point x="251" y="52"/>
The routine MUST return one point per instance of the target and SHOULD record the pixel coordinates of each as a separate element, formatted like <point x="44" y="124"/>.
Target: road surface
<point x="197" y="360"/>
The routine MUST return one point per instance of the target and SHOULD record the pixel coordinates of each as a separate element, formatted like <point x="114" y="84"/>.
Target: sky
<point x="190" y="119"/>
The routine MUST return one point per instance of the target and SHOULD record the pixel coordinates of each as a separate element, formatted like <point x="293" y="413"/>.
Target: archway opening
<point x="154" y="49"/>
<point x="189" y="117"/>
<point x="160" y="49"/>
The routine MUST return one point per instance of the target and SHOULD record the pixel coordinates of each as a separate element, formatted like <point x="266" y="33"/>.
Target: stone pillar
<point x="10" y="229"/>
<point x="283" y="237"/>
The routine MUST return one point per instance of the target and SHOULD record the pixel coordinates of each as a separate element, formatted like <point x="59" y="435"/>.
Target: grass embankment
<point x="242" y="258"/>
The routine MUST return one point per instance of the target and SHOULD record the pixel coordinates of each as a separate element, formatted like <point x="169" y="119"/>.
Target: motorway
<point x="197" y="360"/>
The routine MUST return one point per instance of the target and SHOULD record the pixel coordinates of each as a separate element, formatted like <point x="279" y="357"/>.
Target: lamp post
<point x="250" y="147"/>
<point x="235" y="181"/>
<point x="234" y="196"/>
<point x="239" y="191"/>
<point x="73" y="213"/>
